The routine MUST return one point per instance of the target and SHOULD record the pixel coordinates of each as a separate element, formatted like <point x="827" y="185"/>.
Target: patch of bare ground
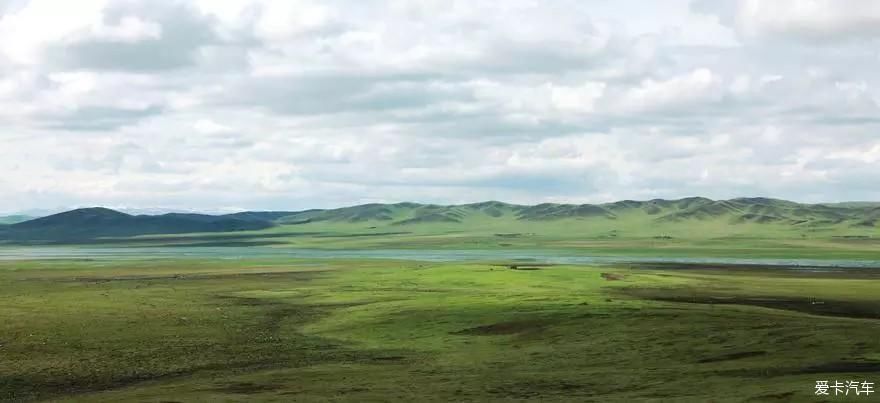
<point x="389" y="358"/>
<point x="836" y="367"/>
<point x="288" y="275"/>
<point x="525" y="266"/>
<point x="613" y="276"/>
<point x="784" y="396"/>
<point x="843" y="367"/>
<point x="732" y="356"/>
<point x="823" y="307"/>
<point x="829" y="271"/>
<point x="247" y="388"/>
<point x="539" y="388"/>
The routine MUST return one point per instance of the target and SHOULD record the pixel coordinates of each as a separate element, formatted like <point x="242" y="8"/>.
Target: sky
<point x="221" y="105"/>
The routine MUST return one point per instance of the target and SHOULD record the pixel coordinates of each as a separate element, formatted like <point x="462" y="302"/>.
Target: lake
<point x="428" y="255"/>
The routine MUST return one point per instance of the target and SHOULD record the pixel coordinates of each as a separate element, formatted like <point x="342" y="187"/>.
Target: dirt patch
<point x="275" y="318"/>
<point x="825" y="307"/>
<point x="842" y="367"/>
<point x="732" y="356"/>
<point x="248" y="301"/>
<point x="837" y="367"/>
<point x="536" y="389"/>
<point x="287" y="275"/>
<point x="246" y="388"/>
<point x="504" y="328"/>
<point x="525" y="266"/>
<point x="390" y="358"/>
<point x="364" y="235"/>
<point x="774" y="396"/>
<point x="775" y="270"/>
<point x="613" y="276"/>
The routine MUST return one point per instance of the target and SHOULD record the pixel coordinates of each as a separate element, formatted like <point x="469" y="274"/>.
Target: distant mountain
<point x="853" y="204"/>
<point x="549" y="211"/>
<point x="14" y="219"/>
<point x="256" y="216"/>
<point x="91" y="223"/>
<point x="650" y="217"/>
<point x="756" y="210"/>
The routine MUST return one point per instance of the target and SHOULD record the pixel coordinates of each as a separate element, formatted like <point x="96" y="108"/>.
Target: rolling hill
<point x="651" y="212"/>
<point x="691" y="217"/>
<point x="92" y="223"/>
<point x="14" y="219"/>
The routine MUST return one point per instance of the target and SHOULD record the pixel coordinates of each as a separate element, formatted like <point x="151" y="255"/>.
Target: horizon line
<point x="162" y="210"/>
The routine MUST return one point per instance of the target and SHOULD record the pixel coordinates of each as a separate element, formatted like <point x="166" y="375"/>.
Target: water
<point x="428" y="255"/>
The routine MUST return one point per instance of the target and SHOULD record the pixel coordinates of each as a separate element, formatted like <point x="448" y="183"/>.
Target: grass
<point x="625" y="236"/>
<point x="372" y="330"/>
<point x="693" y="227"/>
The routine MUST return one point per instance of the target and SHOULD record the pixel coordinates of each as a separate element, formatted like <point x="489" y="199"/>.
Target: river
<point x="427" y="255"/>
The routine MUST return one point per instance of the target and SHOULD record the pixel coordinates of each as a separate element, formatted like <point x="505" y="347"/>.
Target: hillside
<point x="649" y="213"/>
<point x="693" y="217"/>
<point x="91" y="223"/>
<point x="14" y="219"/>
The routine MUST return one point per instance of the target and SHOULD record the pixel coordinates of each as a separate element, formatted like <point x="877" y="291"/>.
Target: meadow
<point x="269" y="329"/>
<point x="738" y="228"/>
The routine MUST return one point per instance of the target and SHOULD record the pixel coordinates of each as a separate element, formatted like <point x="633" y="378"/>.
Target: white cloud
<point x="817" y="20"/>
<point x="279" y="104"/>
<point x="697" y="86"/>
<point x="543" y="98"/>
<point x="25" y="32"/>
<point x="208" y="126"/>
<point x="285" y="19"/>
<point x="812" y="22"/>
<point x="129" y="29"/>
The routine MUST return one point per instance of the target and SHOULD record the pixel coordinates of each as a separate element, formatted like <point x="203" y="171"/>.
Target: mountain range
<point x="98" y="222"/>
<point x="14" y="219"/>
<point x="95" y="223"/>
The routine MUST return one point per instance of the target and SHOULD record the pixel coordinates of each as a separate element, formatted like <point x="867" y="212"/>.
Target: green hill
<point x="91" y="223"/>
<point x="651" y="213"/>
<point x="477" y="225"/>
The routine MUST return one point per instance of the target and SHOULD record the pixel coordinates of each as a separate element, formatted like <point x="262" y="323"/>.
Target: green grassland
<point x="745" y="227"/>
<point x="372" y="330"/>
<point x="686" y="227"/>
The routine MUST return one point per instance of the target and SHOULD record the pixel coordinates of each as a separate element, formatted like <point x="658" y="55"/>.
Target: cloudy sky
<point x="260" y="104"/>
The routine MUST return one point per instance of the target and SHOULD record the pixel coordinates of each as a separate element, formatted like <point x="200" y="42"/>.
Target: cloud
<point x="815" y="21"/>
<point x="697" y="86"/>
<point x="79" y="101"/>
<point x="298" y="104"/>
<point x="136" y="36"/>
<point x="208" y="126"/>
<point x="95" y="118"/>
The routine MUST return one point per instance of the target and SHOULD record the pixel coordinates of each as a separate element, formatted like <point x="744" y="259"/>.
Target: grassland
<point x="371" y="330"/>
<point x="591" y="236"/>
<point x="745" y="227"/>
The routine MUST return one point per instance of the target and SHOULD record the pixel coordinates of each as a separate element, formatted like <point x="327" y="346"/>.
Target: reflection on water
<point x="431" y="255"/>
